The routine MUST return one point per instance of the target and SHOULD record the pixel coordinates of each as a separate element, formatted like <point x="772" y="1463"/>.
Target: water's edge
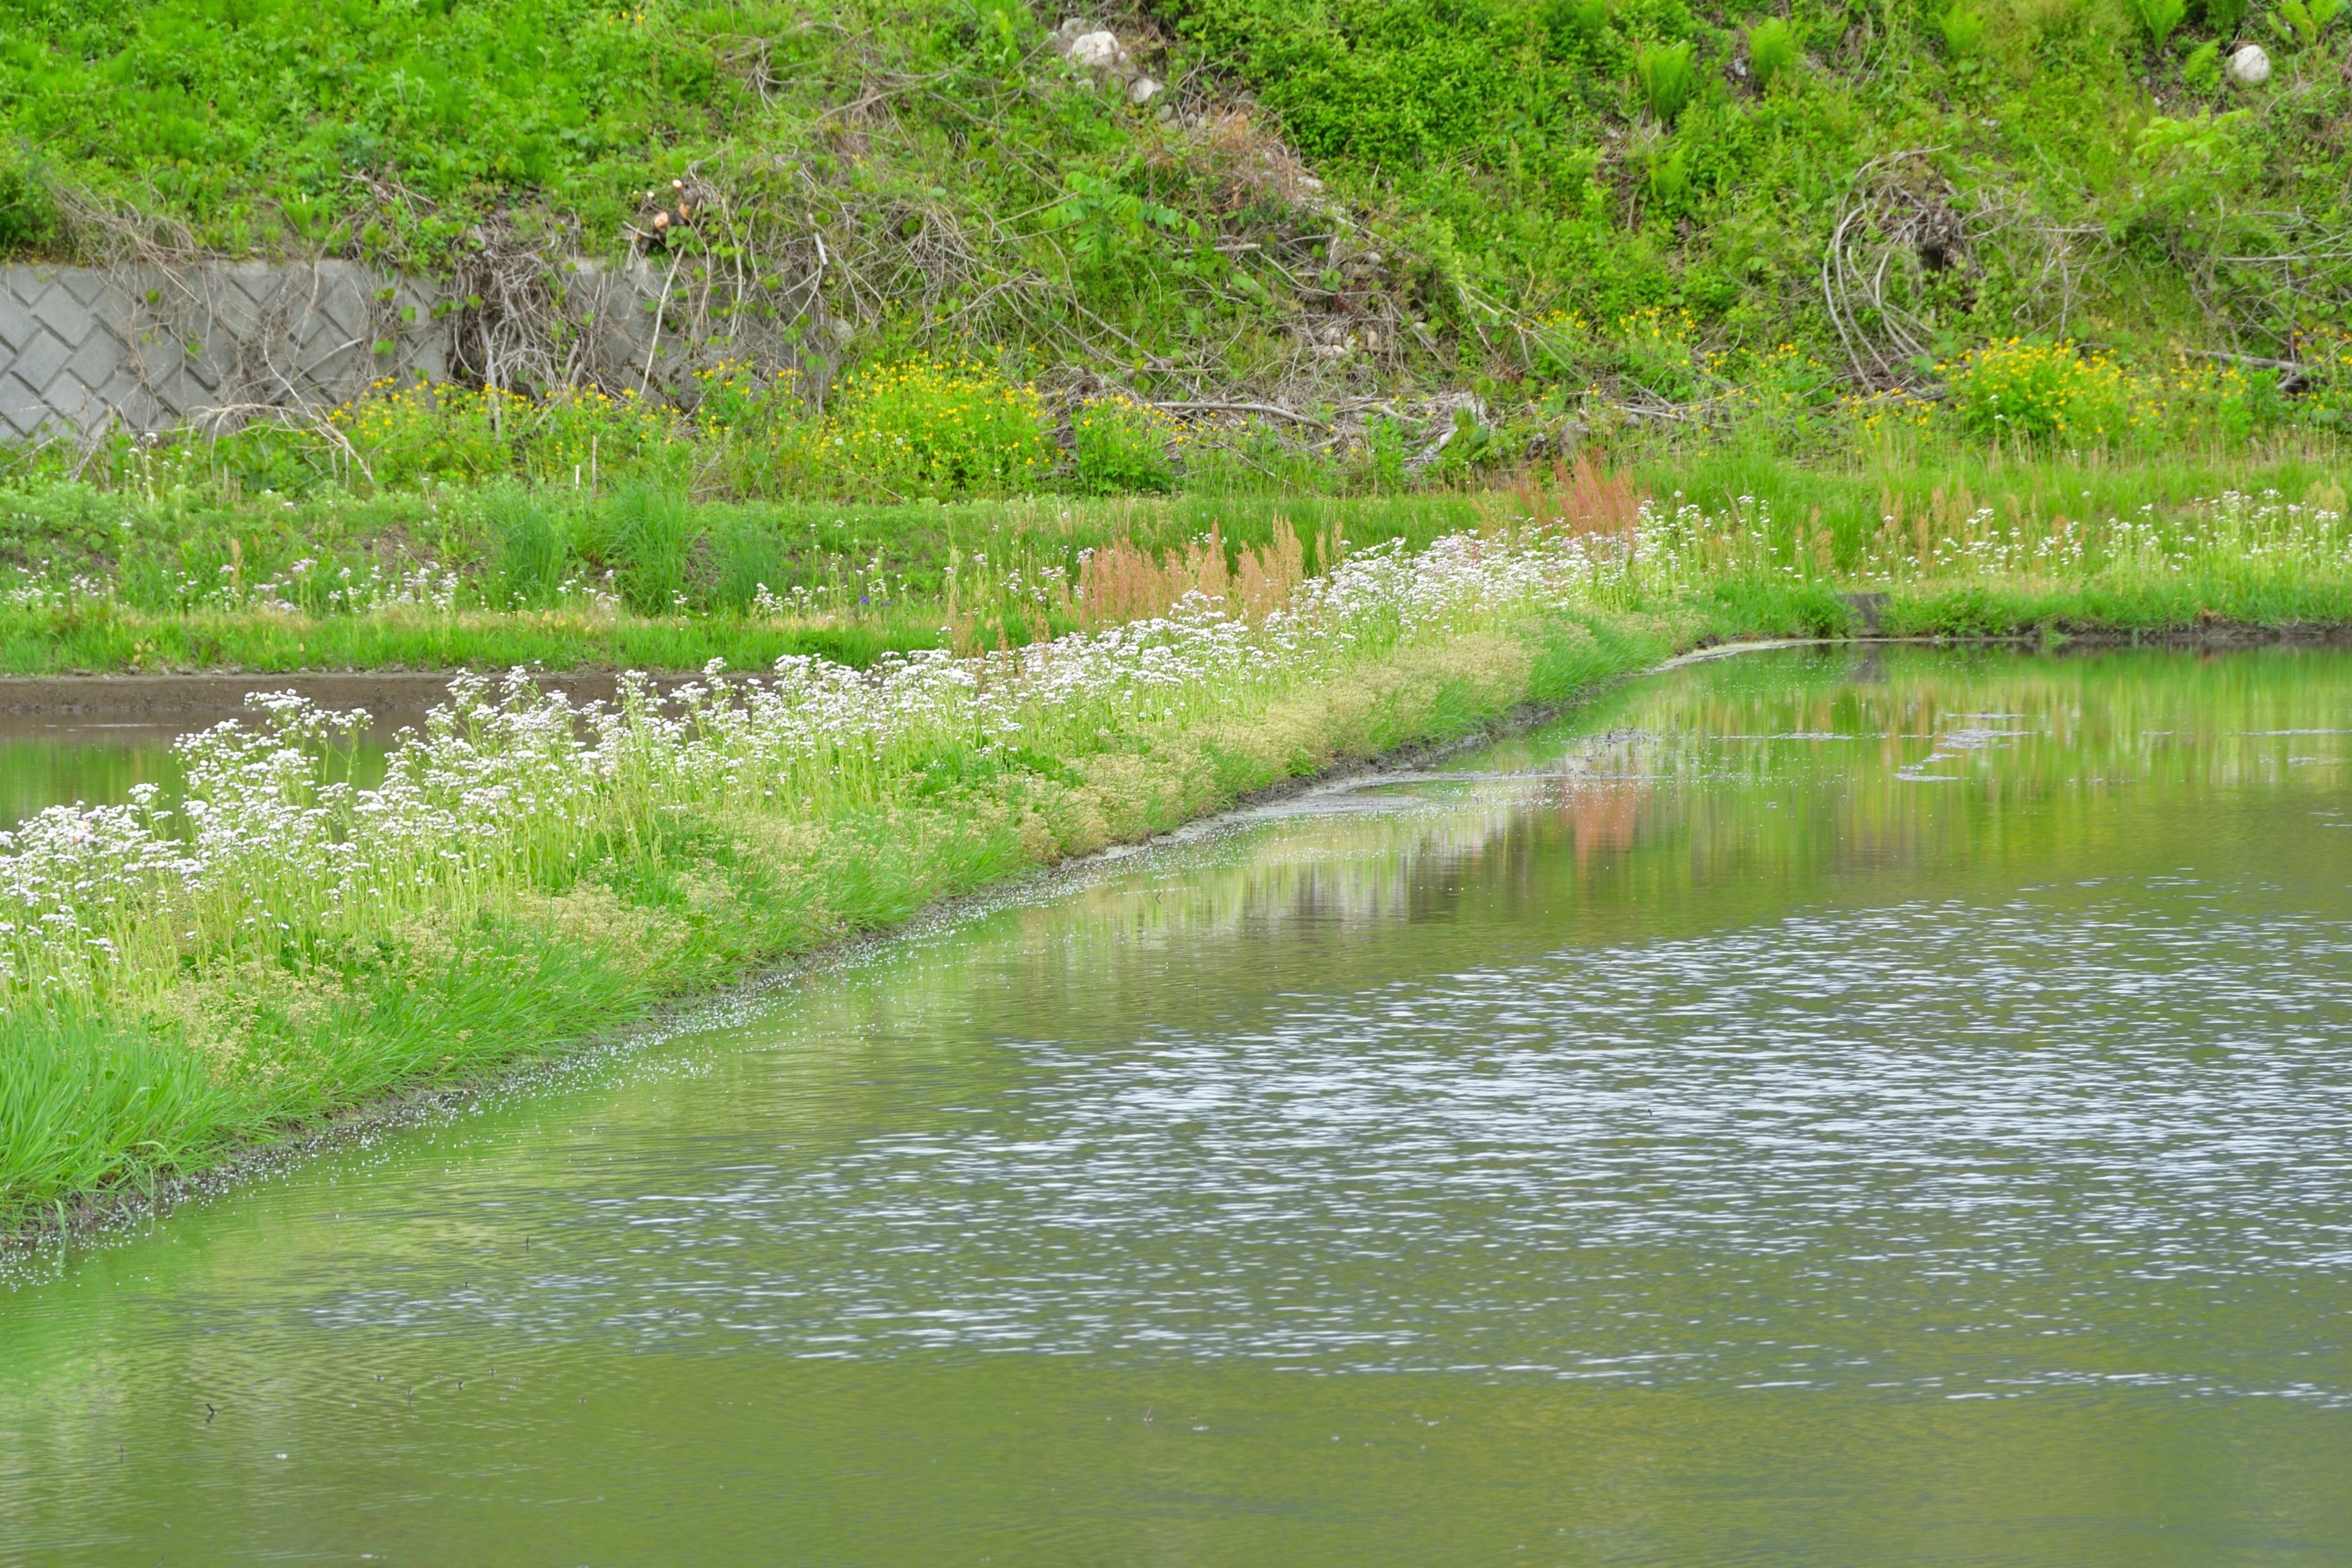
<point x="93" y="1213"/>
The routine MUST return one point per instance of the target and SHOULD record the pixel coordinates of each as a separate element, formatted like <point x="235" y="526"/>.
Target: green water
<point x="43" y="765"/>
<point x="1818" y="1108"/>
<point x="76" y="763"/>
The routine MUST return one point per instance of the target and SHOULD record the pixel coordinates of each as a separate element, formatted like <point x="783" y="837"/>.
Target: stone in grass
<point x="1098" y="51"/>
<point x="2250" y="67"/>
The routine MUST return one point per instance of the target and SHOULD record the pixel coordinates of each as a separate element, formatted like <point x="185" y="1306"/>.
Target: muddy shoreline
<point x="403" y="696"/>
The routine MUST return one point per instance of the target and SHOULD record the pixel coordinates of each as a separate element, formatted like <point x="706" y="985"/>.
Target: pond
<point x="89" y="740"/>
<point x="1815" y="1107"/>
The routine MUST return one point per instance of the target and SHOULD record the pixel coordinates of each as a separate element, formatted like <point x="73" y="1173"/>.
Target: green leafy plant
<point x="2160" y="18"/>
<point x="2224" y="15"/>
<point x="27" y="215"/>
<point x="2037" y="390"/>
<point x="2302" y="22"/>
<point x="1658" y="351"/>
<point x="2202" y="68"/>
<point x="1669" y="177"/>
<point x="1772" y="47"/>
<point x="1388" y="446"/>
<point x="1668" y="78"/>
<point x="731" y="397"/>
<point x="1110" y="222"/>
<point x="1585" y="20"/>
<point x="1119" y="446"/>
<point x="405" y="430"/>
<point x="1963" y="27"/>
<point x="937" y="427"/>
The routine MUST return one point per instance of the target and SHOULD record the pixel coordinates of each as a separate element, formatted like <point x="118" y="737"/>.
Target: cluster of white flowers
<point x="505" y="787"/>
<point x="269" y="850"/>
<point x="305" y="586"/>
<point x="2235" y="530"/>
<point x="1686" y="547"/>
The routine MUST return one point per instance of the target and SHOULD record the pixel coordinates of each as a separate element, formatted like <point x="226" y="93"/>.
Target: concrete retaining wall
<point x="82" y="348"/>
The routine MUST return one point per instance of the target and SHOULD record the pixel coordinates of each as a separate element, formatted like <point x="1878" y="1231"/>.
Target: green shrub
<point x="2225" y="15"/>
<point x="1668" y="78"/>
<point x="1657" y="350"/>
<point x="2159" y="17"/>
<point x="2037" y="390"/>
<point x="732" y="397"/>
<point x="1772" y="48"/>
<point x="1963" y="27"/>
<point x="406" y="431"/>
<point x="1582" y="21"/>
<point x="937" y="428"/>
<point x="28" y="217"/>
<point x="1119" y="446"/>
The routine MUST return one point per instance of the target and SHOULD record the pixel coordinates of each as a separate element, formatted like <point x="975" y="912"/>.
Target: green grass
<point x="1522" y="217"/>
<point x="1854" y="495"/>
<point x="852" y="583"/>
<point x="110" y="640"/>
<point x="115" y="580"/>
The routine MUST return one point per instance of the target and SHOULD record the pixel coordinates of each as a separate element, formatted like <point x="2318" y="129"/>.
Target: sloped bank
<point x="182" y="983"/>
<point x="526" y="880"/>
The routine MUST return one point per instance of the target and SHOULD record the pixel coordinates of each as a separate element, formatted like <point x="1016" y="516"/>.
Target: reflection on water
<point x="64" y="764"/>
<point x="1815" y="1107"/>
<point x="72" y="763"/>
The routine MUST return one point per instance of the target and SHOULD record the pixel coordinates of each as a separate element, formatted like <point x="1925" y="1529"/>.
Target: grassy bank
<point x="491" y="576"/>
<point x="182" y="986"/>
<point x="1332" y="198"/>
<point x="184" y="980"/>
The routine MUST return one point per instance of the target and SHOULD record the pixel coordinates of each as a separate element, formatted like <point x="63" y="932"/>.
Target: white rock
<point x="2250" y="67"/>
<point x="1142" y="90"/>
<point x="1096" y="51"/>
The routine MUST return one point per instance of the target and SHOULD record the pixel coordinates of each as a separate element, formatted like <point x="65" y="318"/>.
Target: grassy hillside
<point x="1348" y="197"/>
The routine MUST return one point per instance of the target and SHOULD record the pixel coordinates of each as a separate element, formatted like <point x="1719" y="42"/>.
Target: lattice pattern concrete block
<point x="84" y="348"/>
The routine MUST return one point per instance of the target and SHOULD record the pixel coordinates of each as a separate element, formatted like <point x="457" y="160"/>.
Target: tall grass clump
<point x="1772" y="48"/>
<point x="1668" y="78"/>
